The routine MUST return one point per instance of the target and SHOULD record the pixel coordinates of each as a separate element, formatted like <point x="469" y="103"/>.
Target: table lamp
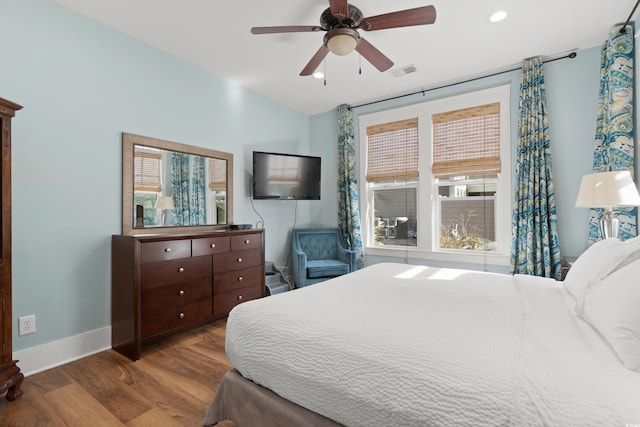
<point x="163" y="203"/>
<point x="608" y="190"/>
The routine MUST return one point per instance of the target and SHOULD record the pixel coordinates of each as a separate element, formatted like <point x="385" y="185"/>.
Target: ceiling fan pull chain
<point x="360" y="64"/>
<point x="325" y="72"/>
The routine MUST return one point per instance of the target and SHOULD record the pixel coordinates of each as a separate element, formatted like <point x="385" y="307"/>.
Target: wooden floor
<point x="171" y="385"/>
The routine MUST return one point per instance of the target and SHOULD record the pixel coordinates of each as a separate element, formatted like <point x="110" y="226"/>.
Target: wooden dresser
<point x="164" y="283"/>
<point x="10" y="375"/>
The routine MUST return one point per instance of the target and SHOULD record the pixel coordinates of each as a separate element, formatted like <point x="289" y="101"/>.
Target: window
<point x="217" y="174"/>
<point x="217" y="200"/>
<point x="147" y="183"/>
<point x="392" y="173"/>
<point x="147" y="168"/>
<point x="466" y="164"/>
<point x="442" y="168"/>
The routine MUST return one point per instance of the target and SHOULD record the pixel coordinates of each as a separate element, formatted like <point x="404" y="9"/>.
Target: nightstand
<point x="567" y="263"/>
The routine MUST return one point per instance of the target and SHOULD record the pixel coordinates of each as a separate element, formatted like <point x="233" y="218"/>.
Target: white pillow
<point x="612" y="307"/>
<point x="633" y="241"/>
<point x="596" y="263"/>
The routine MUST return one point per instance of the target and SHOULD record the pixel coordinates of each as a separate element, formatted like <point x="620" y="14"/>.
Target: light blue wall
<point x="324" y="142"/>
<point x="81" y="86"/>
<point x="572" y="94"/>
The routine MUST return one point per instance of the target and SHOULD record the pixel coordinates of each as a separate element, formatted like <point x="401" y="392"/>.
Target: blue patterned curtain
<point x="348" y="212"/>
<point x="535" y="249"/>
<point x="197" y="214"/>
<point x="180" y="187"/>
<point x="614" y="148"/>
<point x="188" y="186"/>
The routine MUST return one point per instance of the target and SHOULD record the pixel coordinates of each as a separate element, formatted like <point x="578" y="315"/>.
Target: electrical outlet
<point x="27" y="324"/>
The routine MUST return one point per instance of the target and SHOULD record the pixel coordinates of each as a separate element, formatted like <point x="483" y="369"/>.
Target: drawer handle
<point x="246" y="242"/>
<point x="213" y="245"/>
<point x="181" y="270"/>
<point x="181" y="315"/>
<point x="167" y="250"/>
<point x="239" y="259"/>
<point x="239" y="297"/>
<point x="240" y="279"/>
<point x="181" y="293"/>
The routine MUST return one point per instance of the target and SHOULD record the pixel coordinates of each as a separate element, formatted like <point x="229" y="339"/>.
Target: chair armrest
<point x="348" y="256"/>
<point x="299" y="264"/>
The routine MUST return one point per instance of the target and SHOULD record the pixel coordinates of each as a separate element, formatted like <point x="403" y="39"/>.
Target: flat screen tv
<point x="280" y="176"/>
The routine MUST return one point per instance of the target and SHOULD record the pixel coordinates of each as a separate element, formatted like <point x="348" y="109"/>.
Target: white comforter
<point x="405" y="345"/>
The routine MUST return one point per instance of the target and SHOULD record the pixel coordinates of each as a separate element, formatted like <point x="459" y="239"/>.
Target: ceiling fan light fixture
<point x="341" y="41"/>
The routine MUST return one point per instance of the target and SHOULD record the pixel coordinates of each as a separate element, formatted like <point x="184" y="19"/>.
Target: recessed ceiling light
<point x="318" y="75"/>
<point x="498" y="16"/>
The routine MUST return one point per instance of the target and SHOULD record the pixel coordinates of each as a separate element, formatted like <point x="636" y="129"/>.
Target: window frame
<point x="395" y="185"/>
<point x="427" y="188"/>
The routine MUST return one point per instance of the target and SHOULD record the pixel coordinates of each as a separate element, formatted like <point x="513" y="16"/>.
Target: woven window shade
<point x="392" y="151"/>
<point x="467" y="142"/>
<point x="147" y="172"/>
<point x="217" y="174"/>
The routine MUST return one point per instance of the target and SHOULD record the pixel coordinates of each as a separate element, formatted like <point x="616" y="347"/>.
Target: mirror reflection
<point x="172" y="185"/>
<point x="178" y="189"/>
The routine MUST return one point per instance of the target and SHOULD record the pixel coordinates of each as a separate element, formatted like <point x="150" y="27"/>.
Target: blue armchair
<point x="319" y="254"/>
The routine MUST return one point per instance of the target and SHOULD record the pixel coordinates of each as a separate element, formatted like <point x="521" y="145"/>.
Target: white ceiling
<point x="215" y="35"/>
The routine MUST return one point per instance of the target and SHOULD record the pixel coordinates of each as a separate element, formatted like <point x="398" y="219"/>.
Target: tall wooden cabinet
<point x="10" y="375"/>
<point x="164" y="283"/>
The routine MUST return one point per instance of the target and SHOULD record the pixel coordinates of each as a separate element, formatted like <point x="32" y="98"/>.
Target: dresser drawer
<point x="175" y="271"/>
<point x="210" y="245"/>
<point x="236" y="260"/>
<point x="175" y="294"/>
<point x="163" y="251"/>
<point x="246" y="241"/>
<point x="223" y="303"/>
<point x="160" y="321"/>
<point x="225" y="282"/>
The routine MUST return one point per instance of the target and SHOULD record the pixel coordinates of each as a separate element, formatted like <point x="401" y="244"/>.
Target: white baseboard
<point x="46" y="356"/>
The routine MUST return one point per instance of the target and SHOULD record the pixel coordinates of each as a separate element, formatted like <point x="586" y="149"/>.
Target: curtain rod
<point x="624" y="27"/>
<point x="497" y="73"/>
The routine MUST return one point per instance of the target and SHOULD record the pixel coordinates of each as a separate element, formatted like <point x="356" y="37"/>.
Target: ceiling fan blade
<point x="286" y="29"/>
<point x="339" y="7"/>
<point x="402" y="18"/>
<point x="373" y="55"/>
<point x="315" y="61"/>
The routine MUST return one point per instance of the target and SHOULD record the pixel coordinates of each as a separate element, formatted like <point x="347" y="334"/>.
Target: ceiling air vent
<point x="403" y="71"/>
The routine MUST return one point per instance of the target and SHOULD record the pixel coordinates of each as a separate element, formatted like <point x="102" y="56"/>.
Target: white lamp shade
<point x="342" y="44"/>
<point x="164" y="202"/>
<point x="608" y="190"/>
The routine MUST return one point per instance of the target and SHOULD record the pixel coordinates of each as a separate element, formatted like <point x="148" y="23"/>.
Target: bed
<point x="396" y="344"/>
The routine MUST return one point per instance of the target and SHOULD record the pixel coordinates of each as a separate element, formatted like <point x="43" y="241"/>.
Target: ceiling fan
<point x="342" y="20"/>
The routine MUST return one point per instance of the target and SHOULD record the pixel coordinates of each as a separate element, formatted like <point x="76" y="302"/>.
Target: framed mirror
<point x="168" y="187"/>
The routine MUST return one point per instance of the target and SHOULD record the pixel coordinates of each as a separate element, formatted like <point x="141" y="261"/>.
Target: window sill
<point x="459" y="257"/>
